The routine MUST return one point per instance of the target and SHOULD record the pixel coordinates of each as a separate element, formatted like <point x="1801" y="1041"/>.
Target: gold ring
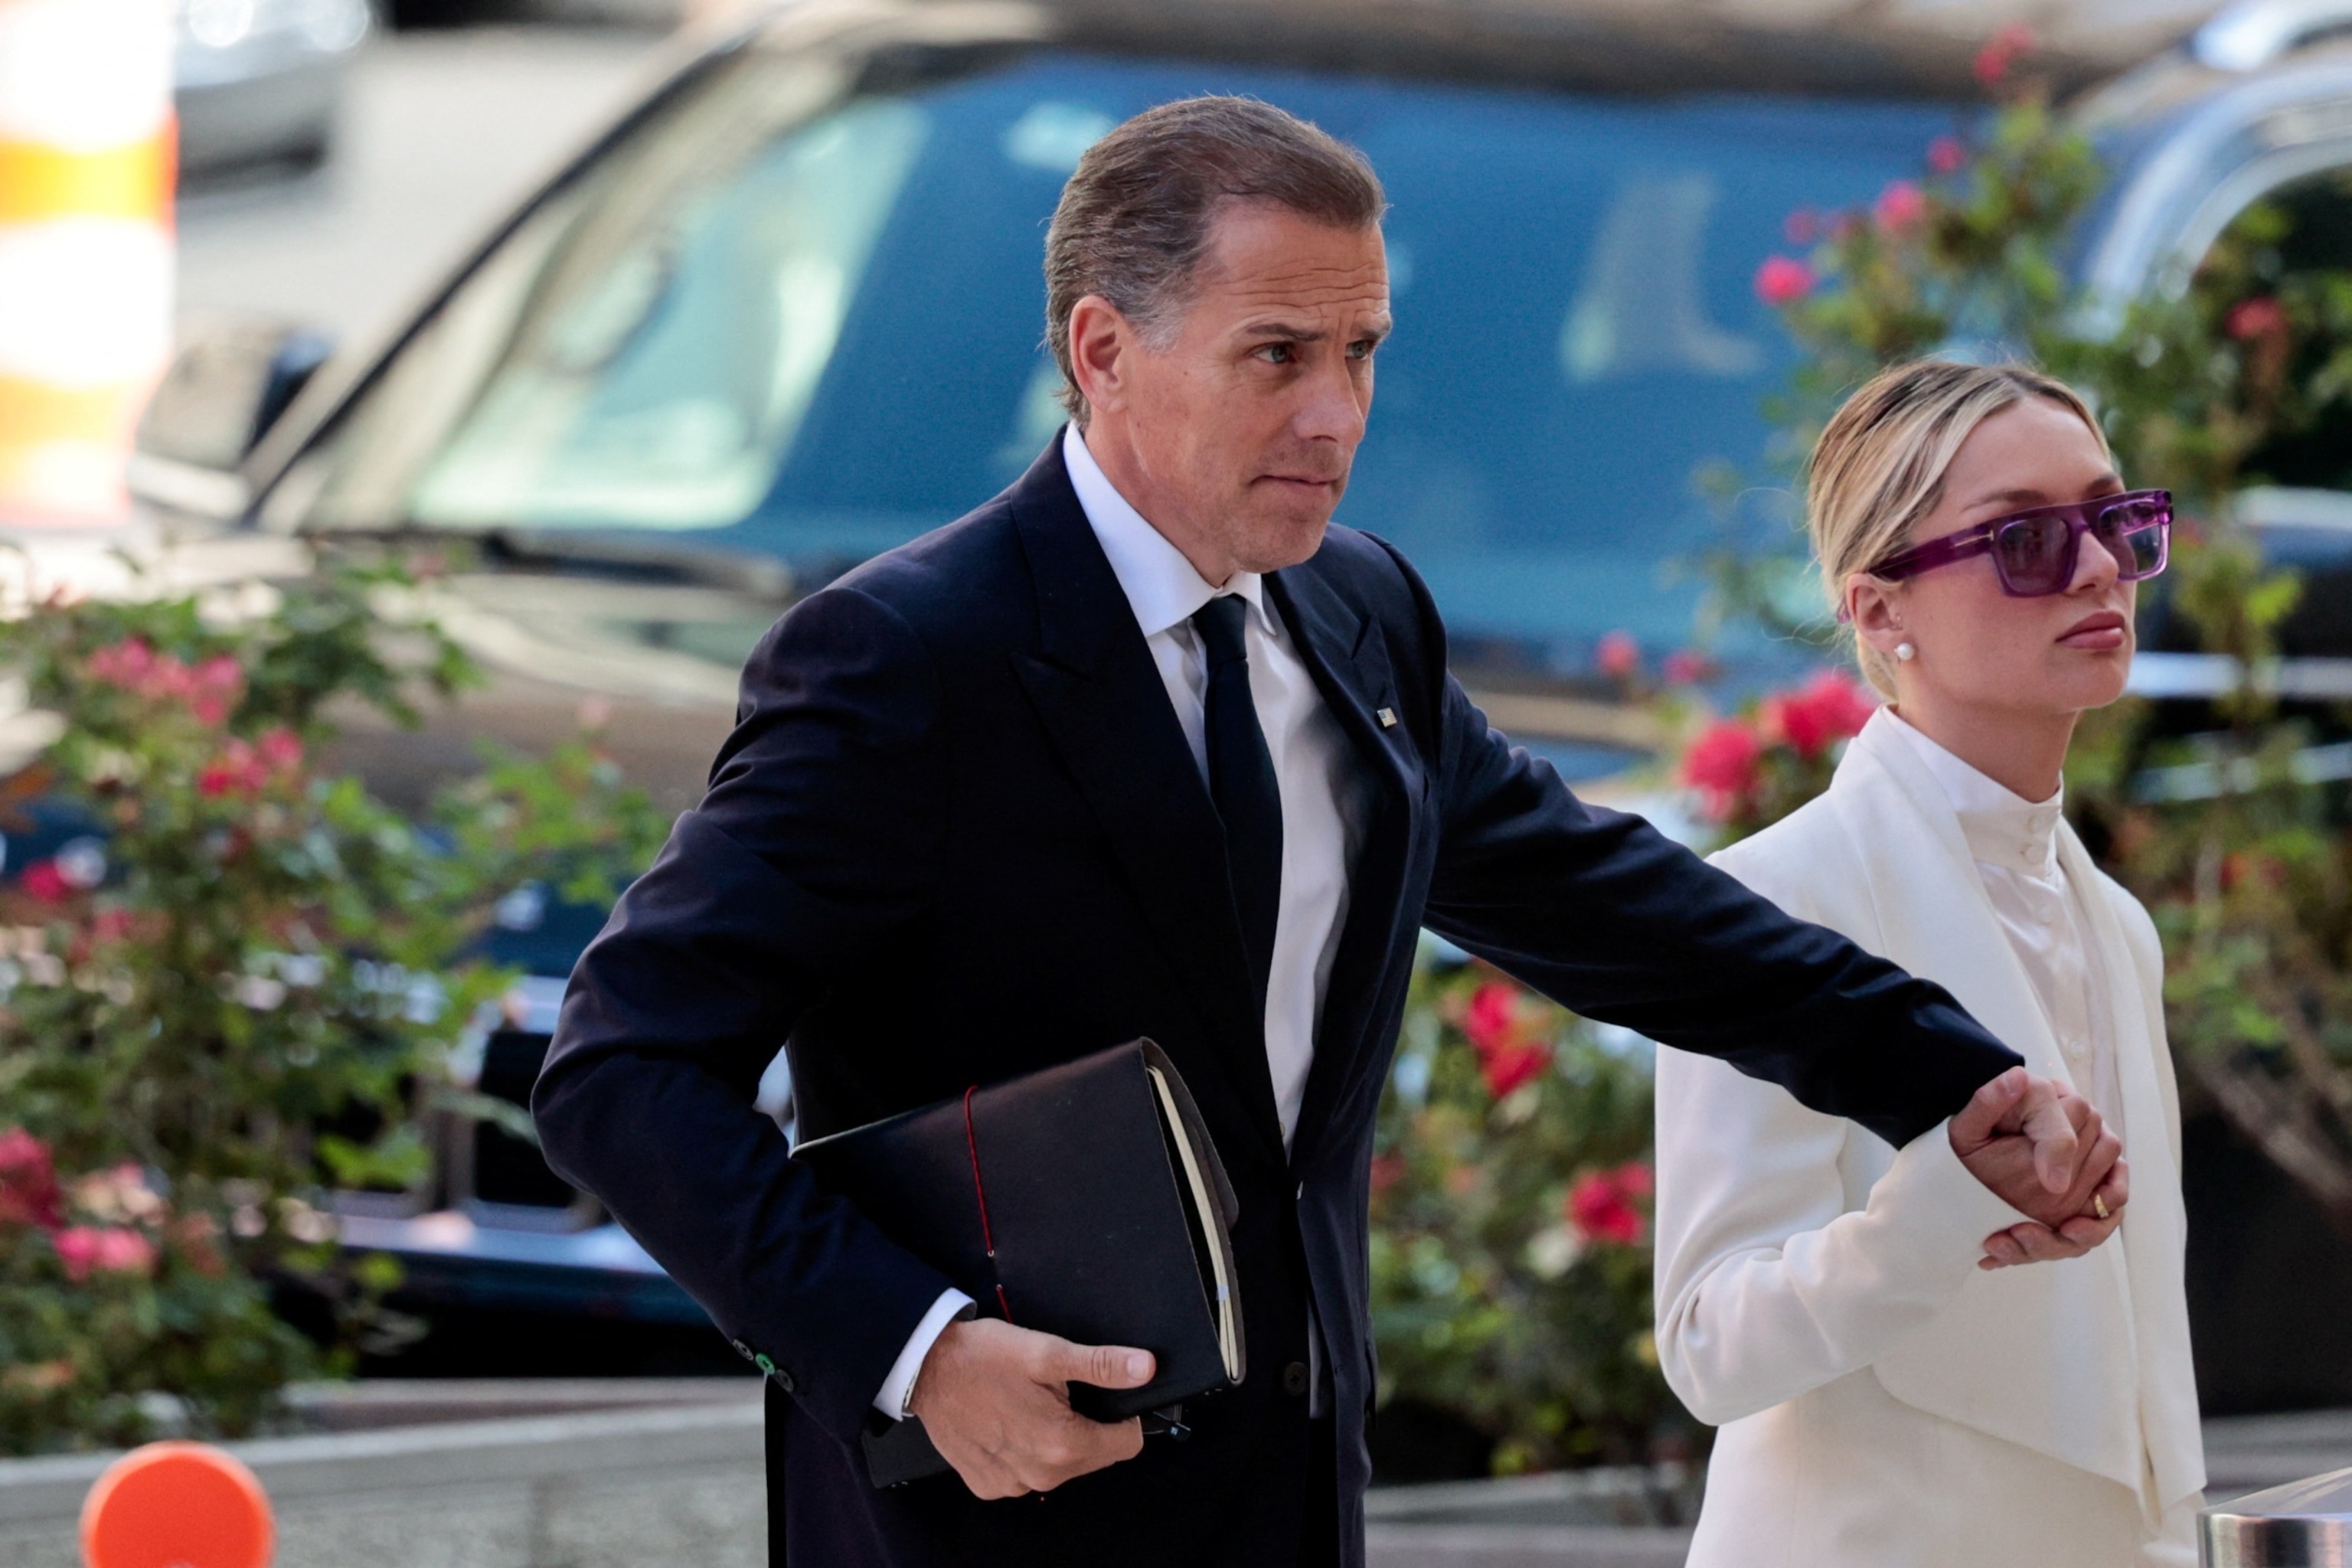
<point x="2098" y="1205"/>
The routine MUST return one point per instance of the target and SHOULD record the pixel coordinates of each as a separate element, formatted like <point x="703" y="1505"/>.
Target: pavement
<point x="441" y="135"/>
<point x="611" y="1473"/>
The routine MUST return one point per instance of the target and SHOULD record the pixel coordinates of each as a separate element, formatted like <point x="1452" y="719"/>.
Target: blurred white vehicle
<point x="258" y="80"/>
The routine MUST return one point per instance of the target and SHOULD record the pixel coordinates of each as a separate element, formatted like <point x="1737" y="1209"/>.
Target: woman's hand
<point x="2032" y="1242"/>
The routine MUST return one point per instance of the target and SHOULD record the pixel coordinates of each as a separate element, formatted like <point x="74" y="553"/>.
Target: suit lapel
<point x="1348" y="657"/>
<point x="1101" y="701"/>
<point x="2149" y="1248"/>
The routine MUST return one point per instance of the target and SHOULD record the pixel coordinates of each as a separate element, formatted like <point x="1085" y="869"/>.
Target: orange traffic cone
<point x="177" y="1505"/>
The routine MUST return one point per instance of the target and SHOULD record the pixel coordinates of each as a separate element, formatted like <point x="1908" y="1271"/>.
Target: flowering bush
<point x="2238" y="374"/>
<point x="232" y="995"/>
<point x="1510" y="1226"/>
<point x="1754" y="769"/>
<point x="109" y="1296"/>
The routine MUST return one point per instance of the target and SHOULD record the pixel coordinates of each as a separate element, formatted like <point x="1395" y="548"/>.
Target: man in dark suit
<point x="1144" y="747"/>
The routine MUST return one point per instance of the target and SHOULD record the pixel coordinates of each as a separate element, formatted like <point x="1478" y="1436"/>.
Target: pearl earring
<point x="1905" y="652"/>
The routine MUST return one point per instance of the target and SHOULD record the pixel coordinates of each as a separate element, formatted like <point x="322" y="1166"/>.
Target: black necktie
<point x="1242" y="783"/>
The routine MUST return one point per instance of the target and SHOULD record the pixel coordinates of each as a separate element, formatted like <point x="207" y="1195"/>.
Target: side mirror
<point x="229" y="380"/>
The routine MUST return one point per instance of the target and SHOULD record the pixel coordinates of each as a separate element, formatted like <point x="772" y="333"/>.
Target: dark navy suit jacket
<point x="958" y="835"/>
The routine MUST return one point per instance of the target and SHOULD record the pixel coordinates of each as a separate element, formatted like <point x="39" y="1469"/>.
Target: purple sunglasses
<point x="2034" y="552"/>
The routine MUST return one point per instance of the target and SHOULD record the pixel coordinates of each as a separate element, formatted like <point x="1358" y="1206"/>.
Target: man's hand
<point x="2045" y="1114"/>
<point x="995" y="1401"/>
<point x="1996" y="1137"/>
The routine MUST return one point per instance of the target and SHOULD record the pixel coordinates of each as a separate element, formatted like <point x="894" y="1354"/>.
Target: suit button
<point x="743" y="1350"/>
<point x="1294" y="1378"/>
<point x="784" y="1379"/>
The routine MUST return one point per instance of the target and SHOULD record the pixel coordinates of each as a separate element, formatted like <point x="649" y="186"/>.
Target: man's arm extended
<point x="1608" y="917"/>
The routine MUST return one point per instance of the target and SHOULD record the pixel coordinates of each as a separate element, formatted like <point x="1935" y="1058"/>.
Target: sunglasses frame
<point x="2080" y="517"/>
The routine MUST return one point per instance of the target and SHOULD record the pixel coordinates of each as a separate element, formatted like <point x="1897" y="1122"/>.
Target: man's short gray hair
<point x="1133" y="222"/>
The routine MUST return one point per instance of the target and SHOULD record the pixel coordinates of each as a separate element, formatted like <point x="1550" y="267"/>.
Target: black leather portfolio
<point x="1085" y="1200"/>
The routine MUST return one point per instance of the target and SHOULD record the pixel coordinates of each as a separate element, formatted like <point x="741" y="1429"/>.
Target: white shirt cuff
<point x="900" y="1386"/>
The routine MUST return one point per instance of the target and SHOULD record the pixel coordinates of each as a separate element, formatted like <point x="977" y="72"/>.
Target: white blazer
<point x="1884" y="1401"/>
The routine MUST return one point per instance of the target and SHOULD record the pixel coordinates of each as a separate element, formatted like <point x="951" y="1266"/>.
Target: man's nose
<point x="1334" y="407"/>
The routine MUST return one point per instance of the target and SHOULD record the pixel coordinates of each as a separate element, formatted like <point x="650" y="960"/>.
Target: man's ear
<point x="1101" y="341"/>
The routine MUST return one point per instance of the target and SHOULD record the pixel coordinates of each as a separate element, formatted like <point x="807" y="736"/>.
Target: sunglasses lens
<point x="2032" y="554"/>
<point x="2134" y="533"/>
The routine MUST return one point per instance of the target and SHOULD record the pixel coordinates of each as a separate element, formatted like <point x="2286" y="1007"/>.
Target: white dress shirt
<point x="2014" y="842"/>
<point x="1322" y="815"/>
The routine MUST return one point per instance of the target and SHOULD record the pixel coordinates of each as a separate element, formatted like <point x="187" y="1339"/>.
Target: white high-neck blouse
<point x="2014" y="842"/>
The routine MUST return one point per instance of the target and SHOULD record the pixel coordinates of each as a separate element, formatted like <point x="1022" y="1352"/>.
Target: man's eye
<point x="1278" y="354"/>
<point x="1362" y="348"/>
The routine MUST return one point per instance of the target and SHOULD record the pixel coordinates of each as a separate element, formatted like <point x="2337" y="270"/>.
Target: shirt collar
<point x="1160" y="584"/>
<point x="2003" y="827"/>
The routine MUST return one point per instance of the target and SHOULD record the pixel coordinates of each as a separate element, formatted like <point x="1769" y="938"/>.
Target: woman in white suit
<point x="1892" y="1392"/>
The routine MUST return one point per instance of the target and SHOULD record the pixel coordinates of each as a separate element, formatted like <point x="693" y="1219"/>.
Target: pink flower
<point x="1995" y="60"/>
<point x="1512" y="1065"/>
<point x="1946" y="156"/>
<point x="226" y="773"/>
<point x="1606" y="1205"/>
<point x="1783" y="280"/>
<point x="45" y="882"/>
<point x="246" y="768"/>
<point x="2255" y="319"/>
<point x="280" y="749"/>
<point x="1492" y="1019"/>
<point x="28" y="1181"/>
<point x="1802" y="227"/>
<point x="1687" y="667"/>
<point x="1388" y="1170"/>
<point x="1899" y="207"/>
<point x="1618" y="656"/>
<point x="124" y="663"/>
<point x="103" y="1249"/>
<point x="1722" y="762"/>
<point x="1827" y="708"/>
<point x="210" y="691"/>
<point x="1506" y="1058"/>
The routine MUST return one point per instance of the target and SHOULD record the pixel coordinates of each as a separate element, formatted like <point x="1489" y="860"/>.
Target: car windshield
<point x="798" y="315"/>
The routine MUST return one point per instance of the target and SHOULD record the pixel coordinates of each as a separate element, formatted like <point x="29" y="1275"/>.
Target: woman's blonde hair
<point x="1879" y="467"/>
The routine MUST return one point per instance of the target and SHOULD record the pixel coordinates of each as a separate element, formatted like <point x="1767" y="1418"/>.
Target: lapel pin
<point x="1388" y="717"/>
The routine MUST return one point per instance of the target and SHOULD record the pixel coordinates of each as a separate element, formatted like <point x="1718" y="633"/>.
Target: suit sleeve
<point x="811" y="848"/>
<point x="1610" y="918"/>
